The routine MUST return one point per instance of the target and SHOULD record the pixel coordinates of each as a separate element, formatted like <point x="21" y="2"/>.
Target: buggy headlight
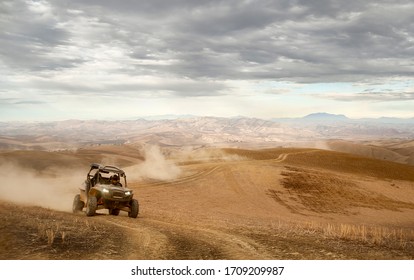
<point x="105" y="191"/>
<point x="128" y="193"/>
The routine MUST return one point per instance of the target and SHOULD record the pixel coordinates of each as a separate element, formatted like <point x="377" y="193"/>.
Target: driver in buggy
<point x="114" y="180"/>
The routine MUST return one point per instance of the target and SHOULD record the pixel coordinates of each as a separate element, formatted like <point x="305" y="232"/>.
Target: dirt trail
<point x="152" y="238"/>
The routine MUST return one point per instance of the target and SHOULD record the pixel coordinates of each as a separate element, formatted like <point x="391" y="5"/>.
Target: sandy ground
<point x="216" y="204"/>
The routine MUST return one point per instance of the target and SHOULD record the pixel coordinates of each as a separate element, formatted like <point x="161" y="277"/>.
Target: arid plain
<point x="350" y="200"/>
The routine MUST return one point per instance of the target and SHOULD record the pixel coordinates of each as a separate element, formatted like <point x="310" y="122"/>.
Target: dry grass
<point x="38" y="233"/>
<point x="377" y="235"/>
<point x="381" y="236"/>
<point x="316" y="240"/>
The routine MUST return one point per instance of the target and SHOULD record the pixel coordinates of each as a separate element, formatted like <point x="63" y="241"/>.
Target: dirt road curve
<point x="153" y="239"/>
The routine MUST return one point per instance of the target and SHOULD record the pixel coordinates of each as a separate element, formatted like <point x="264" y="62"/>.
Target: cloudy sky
<point x="95" y="59"/>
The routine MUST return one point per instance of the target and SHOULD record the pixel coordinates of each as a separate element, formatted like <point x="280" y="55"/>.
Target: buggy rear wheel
<point x="77" y="204"/>
<point x="114" y="212"/>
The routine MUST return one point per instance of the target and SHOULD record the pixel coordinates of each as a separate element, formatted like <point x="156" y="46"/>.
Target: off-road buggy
<point x="100" y="192"/>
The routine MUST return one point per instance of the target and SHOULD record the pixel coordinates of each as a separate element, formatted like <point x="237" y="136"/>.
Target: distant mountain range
<point x="314" y="117"/>
<point x="326" y="117"/>
<point x="192" y="130"/>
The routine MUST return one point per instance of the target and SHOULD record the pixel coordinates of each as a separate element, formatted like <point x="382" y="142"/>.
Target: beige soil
<point x="224" y="204"/>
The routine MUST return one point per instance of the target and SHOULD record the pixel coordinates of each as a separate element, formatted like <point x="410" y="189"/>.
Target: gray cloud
<point x="6" y="102"/>
<point x="376" y="96"/>
<point x="29" y="35"/>
<point x="205" y="42"/>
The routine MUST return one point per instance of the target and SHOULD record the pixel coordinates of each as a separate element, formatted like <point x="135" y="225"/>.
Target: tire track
<point x="155" y="239"/>
<point x="283" y="156"/>
<point x="186" y="179"/>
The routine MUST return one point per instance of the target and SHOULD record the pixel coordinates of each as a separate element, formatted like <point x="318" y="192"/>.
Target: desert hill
<point x="401" y="151"/>
<point x="212" y="203"/>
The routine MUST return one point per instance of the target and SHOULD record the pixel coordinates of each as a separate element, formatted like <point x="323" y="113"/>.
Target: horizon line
<point x="315" y="116"/>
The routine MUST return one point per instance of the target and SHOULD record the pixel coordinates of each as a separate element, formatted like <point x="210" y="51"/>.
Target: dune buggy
<point x="103" y="189"/>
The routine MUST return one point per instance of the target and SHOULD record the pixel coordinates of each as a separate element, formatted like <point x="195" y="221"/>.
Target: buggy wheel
<point x="77" y="204"/>
<point x="134" y="208"/>
<point x="114" y="212"/>
<point x="91" y="206"/>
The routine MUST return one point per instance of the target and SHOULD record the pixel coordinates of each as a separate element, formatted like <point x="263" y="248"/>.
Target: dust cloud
<point x="207" y="155"/>
<point x="24" y="186"/>
<point x="155" y="166"/>
<point x="159" y="165"/>
<point x="54" y="190"/>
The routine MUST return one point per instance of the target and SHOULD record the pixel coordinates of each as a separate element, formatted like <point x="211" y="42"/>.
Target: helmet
<point x="115" y="178"/>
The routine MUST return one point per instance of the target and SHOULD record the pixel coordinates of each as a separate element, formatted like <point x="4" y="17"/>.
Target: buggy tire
<point x="114" y="212"/>
<point x="133" y="213"/>
<point x="91" y="206"/>
<point x="77" y="204"/>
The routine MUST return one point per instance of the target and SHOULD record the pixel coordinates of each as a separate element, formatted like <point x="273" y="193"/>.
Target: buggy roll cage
<point x="108" y="169"/>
